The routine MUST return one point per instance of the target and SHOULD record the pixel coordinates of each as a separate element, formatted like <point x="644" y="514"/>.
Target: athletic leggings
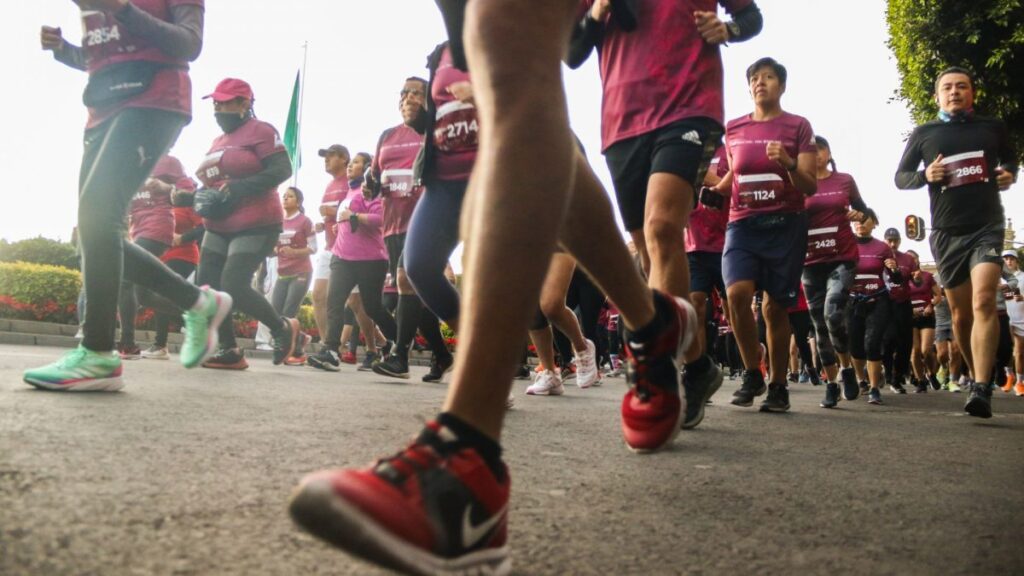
<point x="163" y="319"/>
<point x="117" y="158"/>
<point x="131" y="295"/>
<point x="432" y="237"/>
<point x="288" y="294"/>
<point x="800" y="323"/>
<point x="898" y="343"/>
<point x="369" y="276"/>
<point x="827" y="286"/>
<point x="227" y="262"/>
<point x="867" y="321"/>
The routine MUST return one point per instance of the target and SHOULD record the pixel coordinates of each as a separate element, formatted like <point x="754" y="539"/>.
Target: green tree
<point x="986" y="36"/>
<point x="39" y="251"/>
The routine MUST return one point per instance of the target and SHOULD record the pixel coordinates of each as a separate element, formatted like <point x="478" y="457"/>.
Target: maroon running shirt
<point x="901" y="292"/>
<point x="829" y="236"/>
<point x="185" y="221"/>
<point x="921" y="294"/>
<point x="238" y="155"/>
<point x="106" y="41"/>
<point x="295" y="234"/>
<point x="392" y="165"/>
<point x="335" y="193"/>
<point x="662" y="72"/>
<point x="151" y="214"/>
<point x="760" y="185"/>
<point x="871" y="257"/>
<point x="456" y="127"/>
<point x="706" y="232"/>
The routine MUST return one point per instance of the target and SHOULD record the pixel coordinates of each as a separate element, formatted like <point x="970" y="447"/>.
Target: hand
<point x="711" y="29"/>
<point x="600" y="10"/>
<point x="777" y="153"/>
<point x="285" y="250"/>
<point x="1004" y="179"/>
<point x="344" y="215"/>
<point x="855" y="216"/>
<point x="318" y="227"/>
<point x="928" y="310"/>
<point x="890" y="264"/>
<point x="155" y="185"/>
<point x="463" y="91"/>
<point x="51" y="38"/>
<point x="935" y="173"/>
<point x="102" y="5"/>
<point x="176" y="240"/>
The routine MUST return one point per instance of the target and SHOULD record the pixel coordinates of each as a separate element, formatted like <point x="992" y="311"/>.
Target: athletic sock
<point x="700" y="365"/>
<point x="488" y="449"/>
<point x="656" y="325"/>
<point x="430" y="328"/>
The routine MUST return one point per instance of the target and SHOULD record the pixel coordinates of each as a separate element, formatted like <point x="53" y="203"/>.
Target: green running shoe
<point x="80" y="370"/>
<point x="201" y="323"/>
<point x="952" y="386"/>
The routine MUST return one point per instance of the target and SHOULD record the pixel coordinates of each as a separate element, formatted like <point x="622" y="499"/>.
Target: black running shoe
<point x="777" y="400"/>
<point x="227" y="359"/>
<point x="368" y="361"/>
<point x="393" y="366"/>
<point x="286" y="340"/>
<point x="897" y="387"/>
<point x="875" y="396"/>
<point x="699" y="388"/>
<point x="850" y="389"/>
<point x="325" y="360"/>
<point x="864" y="387"/>
<point x="752" y="387"/>
<point x="934" y="381"/>
<point x="920" y="386"/>
<point x="979" y="403"/>
<point x="831" y="395"/>
<point x="439" y="367"/>
<point x="793" y="377"/>
<point x="523" y="373"/>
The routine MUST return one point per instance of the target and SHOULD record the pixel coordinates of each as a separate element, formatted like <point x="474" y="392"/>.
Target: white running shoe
<point x="155" y="352"/>
<point x="547" y="384"/>
<point x="510" y="403"/>
<point x="587" y="374"/>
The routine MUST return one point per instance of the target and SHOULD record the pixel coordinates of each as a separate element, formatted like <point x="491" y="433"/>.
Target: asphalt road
<point x="188" y="473"/>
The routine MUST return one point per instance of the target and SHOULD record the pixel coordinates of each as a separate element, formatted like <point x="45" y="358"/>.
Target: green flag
<point x="291" y="129"/>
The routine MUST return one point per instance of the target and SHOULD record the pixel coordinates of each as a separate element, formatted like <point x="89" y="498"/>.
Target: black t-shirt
<point x="972" y="149"/>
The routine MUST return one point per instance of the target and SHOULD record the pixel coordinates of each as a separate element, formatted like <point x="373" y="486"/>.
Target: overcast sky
<point x="842" y="77"/>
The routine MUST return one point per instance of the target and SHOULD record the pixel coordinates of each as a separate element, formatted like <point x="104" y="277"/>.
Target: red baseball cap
<point x="230" y="88"/>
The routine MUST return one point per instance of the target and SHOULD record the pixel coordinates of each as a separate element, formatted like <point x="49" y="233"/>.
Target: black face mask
<point x="230" y="121"/>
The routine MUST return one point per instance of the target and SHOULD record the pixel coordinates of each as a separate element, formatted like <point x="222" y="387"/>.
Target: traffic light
<point x="914" y="226"/>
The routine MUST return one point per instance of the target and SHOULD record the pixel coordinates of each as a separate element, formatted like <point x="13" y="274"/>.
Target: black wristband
<point x="796" y="164"/>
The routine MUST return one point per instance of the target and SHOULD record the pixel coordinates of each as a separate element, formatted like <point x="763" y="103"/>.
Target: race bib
<point x="286" y="237"/>
<point x="919" y="305"/>
<point x="966" y="168"/>
<point x="822" y="242"/>
<point x="396" y="183"/>
<point x="101" y="35"/>
<point x="759" y="191"/>
<point x="210" y="170"/>
<point x="867" y="284"/>
<point x="457" y="128"/>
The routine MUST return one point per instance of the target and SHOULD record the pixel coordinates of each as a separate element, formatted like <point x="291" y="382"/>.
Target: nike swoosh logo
<point x="471" y="535"/>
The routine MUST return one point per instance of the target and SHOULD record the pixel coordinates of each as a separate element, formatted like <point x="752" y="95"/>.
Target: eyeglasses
<point x="406" y="92"/>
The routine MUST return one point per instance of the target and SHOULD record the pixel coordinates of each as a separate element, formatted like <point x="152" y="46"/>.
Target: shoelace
<point x="419" y="455"/>
<point x="72" y="358"/>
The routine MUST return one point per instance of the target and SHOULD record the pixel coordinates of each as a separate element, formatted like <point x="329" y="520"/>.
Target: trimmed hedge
<point x="39" y="251"/>
<point x="38" y="292"/>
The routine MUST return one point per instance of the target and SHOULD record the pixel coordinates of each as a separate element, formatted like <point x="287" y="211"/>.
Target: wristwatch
<point x="733" y="29"/>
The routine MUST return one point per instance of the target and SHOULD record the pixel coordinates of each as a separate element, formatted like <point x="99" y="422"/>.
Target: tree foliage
<point x="39" y="251"/>
<point x="986" y="36"/>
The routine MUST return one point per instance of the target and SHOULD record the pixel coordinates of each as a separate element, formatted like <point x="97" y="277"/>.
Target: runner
<point x="1015" y="311"/>
<point x="441" y="504"/>
<point x="968" y="159"/>
<point x="869" y="311"/>
<point x="151" y="227"/>
<point x="182" y="257"/>
<point x="392" y="171"/>
<point x="899" y="335"/>
<point x="925" y="295"/>
<point x="828" y="270"/>
<point x="772" y="169"/>
<point x="946" y="350"/>
<point x="295" y="245"/>
<point x="661" y="121"/>
<point x="243" y="219"/>
<point x="138" y="98"/>
<point x="336" y="163"/>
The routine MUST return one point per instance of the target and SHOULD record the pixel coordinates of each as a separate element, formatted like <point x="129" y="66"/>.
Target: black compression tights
<point x="118" y="156"/>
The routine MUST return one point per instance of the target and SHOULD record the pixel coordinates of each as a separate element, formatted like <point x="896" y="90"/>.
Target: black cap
<point x="335" y="149"/>
<point x="892" y="233"/>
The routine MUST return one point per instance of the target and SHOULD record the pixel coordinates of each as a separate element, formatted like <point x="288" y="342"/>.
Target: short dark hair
<point x="767" y="62"/>
<point x="955" y="70"/>
<point x="417" y="79"/>
<point x="870" y="213"/>
<point x="367" y="158"/>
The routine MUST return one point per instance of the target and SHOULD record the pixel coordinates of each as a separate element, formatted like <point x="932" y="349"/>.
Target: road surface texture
<point x="188" y="473"/>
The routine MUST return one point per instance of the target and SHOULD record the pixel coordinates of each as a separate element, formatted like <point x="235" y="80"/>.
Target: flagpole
<point x="302" y="99"/>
